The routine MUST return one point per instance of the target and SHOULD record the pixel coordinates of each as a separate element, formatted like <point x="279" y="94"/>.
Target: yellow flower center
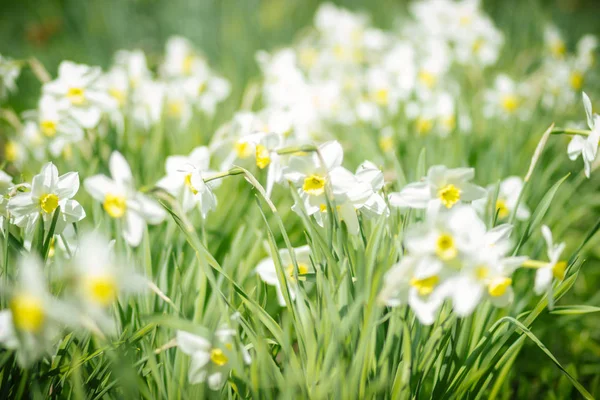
<point x="242" y="149"/>
<point x="425" y="285"/>
<point x="218" y="357"/>
<point x="427" y="78"/>
<point x="558" y="48"/>
<point x="115" y="205"/>
<point x="497" y="286"/>
<point x="202" y="88"/>
<point x="175" y="108"/>
<point x="48" y="128"/>
<point x="502" y="208"/>
<point x="386" y="143"/>
<point x="510" y="102"/>
<point x="477" y="45"/>
<point x="49" y="203"/>
<point x="302" y="270"/>
<point x="314" y="185"/>
<point x="449" y="195"/>
<point x="308" y="57"/>
<point x="445" y="248"/>
<point x="423" y="125"/>
<point x="188" y="183"/>
<point x="465" y="20"/>
<point x="381" y="97"/>
<point x="576" y="80"/>
<point x="11" y="151"/>
<point x="118" y="95"/>
<point x="187" y="64"/>
<point x="482" y="272"/>
<point x="263" y="157"/>
<point x="27" y="312"/>
<point x="76" y="95"/>
<point x="449" y="122"/>
<point x="559" y="270"/>
<point x="101" y="289"/>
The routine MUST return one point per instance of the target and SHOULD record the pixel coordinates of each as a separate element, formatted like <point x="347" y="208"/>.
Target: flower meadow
<point x="385" y="213"/>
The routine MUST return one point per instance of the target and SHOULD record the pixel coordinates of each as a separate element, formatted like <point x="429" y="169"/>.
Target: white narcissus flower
<point x="78" y="88"/>
<point x="375" y="205"/>
<point x="553" y="268"/>
<point x="181" y="59"/>
<point x="49" y="192"/>
<point x="586" y="147"/>
<point x="267" y="271"/>
<point x="121" y="200"/>
<point x="312" y="173"/>
<point x="441" y="187"/>
<point x="185" y="181"/>
<point x="415" y="283"/>
<point x="506" y="98"/>
<point x="210" y="362"/>
<point x="32" y="322"/>
<point x="55" y="124"/>
<point x="508" y="196"/>
<point x="266" y="145"/>
<point x="100" y="276"/>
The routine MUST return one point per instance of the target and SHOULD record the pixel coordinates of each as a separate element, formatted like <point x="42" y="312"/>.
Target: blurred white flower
<point x="553" y="268"/>
<point x="48" y="193"/>
<point x="267" y="271"/>
<point x="9" y="72"/>
<point x="506" y="98"/>
<point x="33" y="320"/>
<point x="184" y="180"/>
<point x="211" y="361"/>
<point x="508" y="196"/>
<point x="78" y="89"/>
<point x="586" y="147"/>
<point x="121" y="200"/>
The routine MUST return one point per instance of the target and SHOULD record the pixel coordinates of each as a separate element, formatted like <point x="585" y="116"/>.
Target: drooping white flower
<point x="184" y="180"/>
<point x="375" y="205"/>
<point x="267" y="271"/>
<point x="586" y="147"/>
<point x="49" y="192"/>
<point x="78" y="89"/>
<point x="121" y="200"/>
<point x="441" y="186"/>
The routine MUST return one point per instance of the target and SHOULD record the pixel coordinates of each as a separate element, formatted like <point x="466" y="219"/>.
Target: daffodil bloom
<point x="49" y="193"/>
<point x="33" y="319"/>
<point x="55" y="124"/>
<point x="181" y="59"/>
<point x="78" y="90"/>
<point x="266" y="145"/>
<point x="99" y="277"/>
<point x="586" y="147"/>
<point x="506" y="98"/>
<point x="416" y="283"/>
<point x="9" y="72"/>
<point x="211" y="361"/>
<point x="312" y="173"/>
<point x="553" y="268"/>
<point x="375" y="205"/>
<point x="508" y="196"/>
<point x="267" y="271"/>
<point x="184" y="180"/>
<point x="441" y="187"/>
<point x="122" y="201"/>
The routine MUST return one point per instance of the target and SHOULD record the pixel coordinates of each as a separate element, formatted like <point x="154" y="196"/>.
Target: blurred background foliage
<point x="230" y="32"/>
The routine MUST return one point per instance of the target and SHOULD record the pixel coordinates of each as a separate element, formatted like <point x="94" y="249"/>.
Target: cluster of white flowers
<point x="83" y="98"/>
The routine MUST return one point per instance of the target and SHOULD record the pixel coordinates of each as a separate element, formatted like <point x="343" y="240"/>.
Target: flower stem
<point x="568" y="131"/>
